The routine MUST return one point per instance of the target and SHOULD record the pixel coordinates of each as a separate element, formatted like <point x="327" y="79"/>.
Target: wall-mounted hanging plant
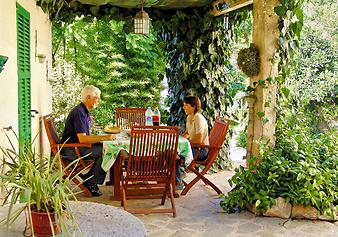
<point x="3" y="60"/>
<point x="248" y="60"/>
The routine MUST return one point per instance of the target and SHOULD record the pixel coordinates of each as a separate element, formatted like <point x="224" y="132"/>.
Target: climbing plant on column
<point x="198" y="51"/>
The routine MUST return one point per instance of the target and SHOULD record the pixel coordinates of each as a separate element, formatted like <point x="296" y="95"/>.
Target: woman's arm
<point x="197" y="139"/>
<point x="185" y="134"/>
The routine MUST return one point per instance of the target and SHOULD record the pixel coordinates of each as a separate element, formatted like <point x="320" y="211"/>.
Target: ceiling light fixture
<point x="141" y="22"/>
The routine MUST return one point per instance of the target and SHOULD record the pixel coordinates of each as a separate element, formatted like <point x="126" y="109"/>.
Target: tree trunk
<point x="262" y="114"/>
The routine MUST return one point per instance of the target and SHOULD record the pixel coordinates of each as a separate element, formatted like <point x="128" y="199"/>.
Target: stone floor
<point x="93" y="219"/>
<point x="199" y="214"/>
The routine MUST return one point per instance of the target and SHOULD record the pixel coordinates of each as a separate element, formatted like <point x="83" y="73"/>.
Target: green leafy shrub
<point x="67" y="86"/>
<point x="127" y="68"/>
<point x="302" y="168"/>
<point x="314" y="81"/>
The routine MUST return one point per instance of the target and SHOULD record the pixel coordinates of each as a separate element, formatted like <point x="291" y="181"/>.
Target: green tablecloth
<point x="111" y="149"/>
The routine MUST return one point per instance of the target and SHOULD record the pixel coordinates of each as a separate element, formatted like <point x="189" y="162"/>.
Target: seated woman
<point x="196" y="131"/>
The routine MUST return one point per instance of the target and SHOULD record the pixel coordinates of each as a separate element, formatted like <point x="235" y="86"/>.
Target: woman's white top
<point x="196" y="123"/>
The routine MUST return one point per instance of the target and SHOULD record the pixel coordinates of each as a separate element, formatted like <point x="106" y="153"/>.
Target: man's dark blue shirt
<point x="77" y="122"/>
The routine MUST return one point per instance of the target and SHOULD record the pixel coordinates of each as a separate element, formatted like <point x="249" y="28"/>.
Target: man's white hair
<point x="89" y="90"/>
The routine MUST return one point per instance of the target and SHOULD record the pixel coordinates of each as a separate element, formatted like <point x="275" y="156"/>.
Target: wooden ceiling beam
<point x="230" y="5"/>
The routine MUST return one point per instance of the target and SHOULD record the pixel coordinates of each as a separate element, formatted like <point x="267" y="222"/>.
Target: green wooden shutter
<point x="24" y="73"/>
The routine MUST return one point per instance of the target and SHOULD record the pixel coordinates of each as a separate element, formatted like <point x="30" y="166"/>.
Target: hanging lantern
<point x="141" y="23"/>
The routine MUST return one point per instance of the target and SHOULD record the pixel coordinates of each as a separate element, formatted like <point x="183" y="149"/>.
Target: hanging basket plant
<point x="248" y="60"/>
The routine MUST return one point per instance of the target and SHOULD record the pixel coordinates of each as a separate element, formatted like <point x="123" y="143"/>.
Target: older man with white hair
<point x="77" y="130"/>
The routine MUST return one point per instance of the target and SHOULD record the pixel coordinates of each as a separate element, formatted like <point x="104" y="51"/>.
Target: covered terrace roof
<point x="164" y="4"/>
<point x="64" y="10"/>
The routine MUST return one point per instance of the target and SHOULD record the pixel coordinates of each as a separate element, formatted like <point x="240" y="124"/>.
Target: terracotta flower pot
<point x="41" y="224"/>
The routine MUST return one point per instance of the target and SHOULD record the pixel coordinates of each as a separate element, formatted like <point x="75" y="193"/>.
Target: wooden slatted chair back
<point x="151" y="165"/>
<point x="152" y="153"/>
<point x="216" y="139"/>
<point x="128" y="117"/>
<point x="53" y="136"/>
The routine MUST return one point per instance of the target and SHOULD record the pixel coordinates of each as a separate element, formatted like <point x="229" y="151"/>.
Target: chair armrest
<point x="199" y="146"/>
<point x="195" y="145"/>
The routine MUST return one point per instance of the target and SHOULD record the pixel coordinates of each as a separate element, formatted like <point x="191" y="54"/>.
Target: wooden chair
<point x="55" y="145"/>
<point x="128" y="117"/>
<point x="216" y="139"/>
<point x="150" y="171"/>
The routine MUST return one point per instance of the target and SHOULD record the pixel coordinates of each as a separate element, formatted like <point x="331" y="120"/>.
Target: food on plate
<point x="111" y="129"/>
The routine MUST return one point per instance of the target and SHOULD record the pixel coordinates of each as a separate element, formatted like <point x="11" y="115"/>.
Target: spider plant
<point x="40" y="183"/>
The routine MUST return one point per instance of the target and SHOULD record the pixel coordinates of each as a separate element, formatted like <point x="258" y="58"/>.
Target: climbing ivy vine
<point x="198" y="49"/>
<point x="290" y="25"/>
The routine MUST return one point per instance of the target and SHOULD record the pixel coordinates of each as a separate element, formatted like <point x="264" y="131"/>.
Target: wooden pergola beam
<point x="232" y="6"/>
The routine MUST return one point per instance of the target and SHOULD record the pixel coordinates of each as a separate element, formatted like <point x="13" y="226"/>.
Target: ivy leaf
<point x="261" y="114"/>
<point x="230" y="182"/>
<point x="262" y="83"/>
<point x="265" y="120"/>
<point x="211" y="49"/>
<point x="286" y="92"/>
<point x="250" y="89"/>
<point x="280" y="10"/>
<point x="299" y="14"/>
<point x="298" y="29"/>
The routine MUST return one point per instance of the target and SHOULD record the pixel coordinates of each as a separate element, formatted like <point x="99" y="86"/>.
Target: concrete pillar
<point x="263" y="100"/>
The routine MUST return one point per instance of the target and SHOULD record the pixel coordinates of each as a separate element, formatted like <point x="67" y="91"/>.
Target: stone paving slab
<point x="200" y="215"/>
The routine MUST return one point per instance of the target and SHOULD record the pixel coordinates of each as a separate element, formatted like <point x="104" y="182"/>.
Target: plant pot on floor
<point x="42" y="225"/>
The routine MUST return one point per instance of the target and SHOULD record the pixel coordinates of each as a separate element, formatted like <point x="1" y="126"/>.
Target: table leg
<point x="117" y="178"/>
<point x="173" y="181"/>
<point x="111" y="176"/>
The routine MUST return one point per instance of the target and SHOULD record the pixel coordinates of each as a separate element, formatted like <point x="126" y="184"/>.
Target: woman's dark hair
<point x="194" y="101"/>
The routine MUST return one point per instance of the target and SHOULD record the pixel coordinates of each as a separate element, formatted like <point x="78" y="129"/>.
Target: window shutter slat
<point x="24" y="77"/>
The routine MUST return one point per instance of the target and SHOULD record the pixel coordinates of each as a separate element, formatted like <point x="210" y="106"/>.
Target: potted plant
<point x="248" y="60"/>
<point x="40" y="183"/>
